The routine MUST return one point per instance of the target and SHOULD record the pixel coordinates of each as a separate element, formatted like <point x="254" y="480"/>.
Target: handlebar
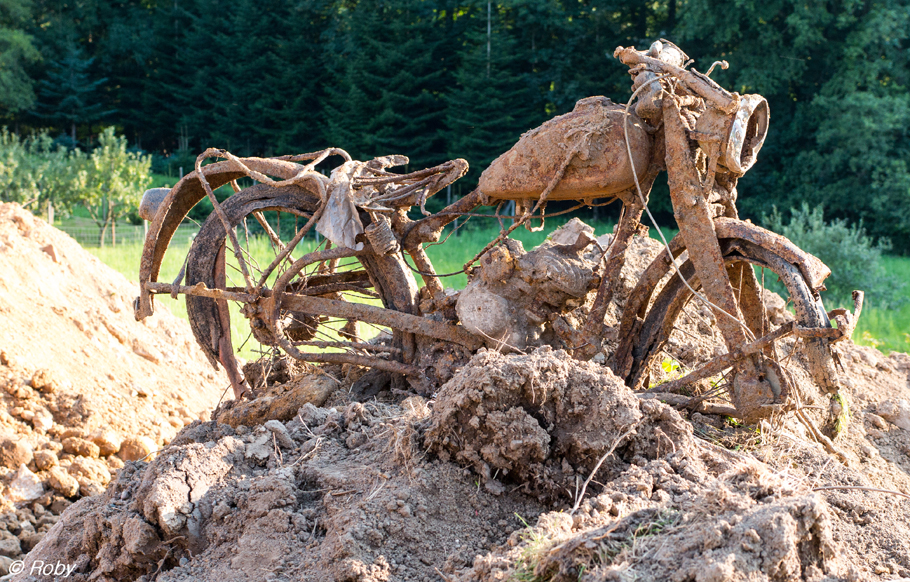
<point x="697" y="82"/>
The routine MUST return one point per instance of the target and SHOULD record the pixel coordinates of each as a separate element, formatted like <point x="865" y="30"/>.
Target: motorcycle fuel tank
<point x="591" y="138"/>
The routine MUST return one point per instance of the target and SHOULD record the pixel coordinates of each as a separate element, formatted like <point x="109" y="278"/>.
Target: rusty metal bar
<point x="429" y="229"/>
<point x="200" y="290"/>
<point x="232" y="293"/>
<point x="718" y="364"/>
<point x="427" y="272"/>
<point x="334" y="288"/>
<point x="707" y="89"/>
<point x="686" y="402"/>
<point x="379" y="316"/>
<point x="366" y="361"/>
<point x="349" y="345"/>
<point x="592" y="334"/>
<point x="846" y="321"/>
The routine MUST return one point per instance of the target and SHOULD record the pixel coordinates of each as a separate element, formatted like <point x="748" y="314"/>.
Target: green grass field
<point x="887" y="329"/>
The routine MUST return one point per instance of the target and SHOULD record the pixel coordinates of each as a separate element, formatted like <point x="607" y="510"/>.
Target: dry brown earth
<point x="84" y="386"/>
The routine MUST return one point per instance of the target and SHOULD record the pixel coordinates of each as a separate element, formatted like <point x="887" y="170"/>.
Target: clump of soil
<point x="279" y="401"/>
<point x="542" y="421"/>
<point x="84" y="387"/>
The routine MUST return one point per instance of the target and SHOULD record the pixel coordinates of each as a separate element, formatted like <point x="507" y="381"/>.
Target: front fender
<point x="178" y="203"/>
<point x="812" y="268"/>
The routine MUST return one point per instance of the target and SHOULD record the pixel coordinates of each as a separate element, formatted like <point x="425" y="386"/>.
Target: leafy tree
<point x="115" y="181"/>
<point x="35" y="172"/>
<point x="854" y="258"/>
<point x="12" y="159"/>
<point x="836" y="76"/>
<point x="58" y="174"/>
<point x="17" y="52"/>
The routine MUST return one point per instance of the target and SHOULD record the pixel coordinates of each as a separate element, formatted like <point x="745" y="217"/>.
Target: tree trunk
<point x="106" y="214"/>
<point x="103" y="234"/>
<point x="50" y="212"/>
<point x="73" y="133"/>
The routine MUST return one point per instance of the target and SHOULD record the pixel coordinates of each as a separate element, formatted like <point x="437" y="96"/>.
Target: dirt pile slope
<point x="84" y="386"/>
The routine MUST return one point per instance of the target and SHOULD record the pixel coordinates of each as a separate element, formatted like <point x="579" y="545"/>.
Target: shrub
<point x="854" y="259"/>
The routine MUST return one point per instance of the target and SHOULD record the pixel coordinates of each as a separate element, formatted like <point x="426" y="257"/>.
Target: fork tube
<point x="696" y="227"/>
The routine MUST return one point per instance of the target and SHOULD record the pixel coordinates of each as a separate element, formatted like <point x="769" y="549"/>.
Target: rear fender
<point x="178" y="203"/>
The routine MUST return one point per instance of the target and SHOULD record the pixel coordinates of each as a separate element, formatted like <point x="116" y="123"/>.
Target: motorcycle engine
<point x="514" y="296"/>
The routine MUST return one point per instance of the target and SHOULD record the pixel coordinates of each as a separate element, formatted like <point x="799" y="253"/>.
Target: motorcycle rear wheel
<point x="353" y="277"/>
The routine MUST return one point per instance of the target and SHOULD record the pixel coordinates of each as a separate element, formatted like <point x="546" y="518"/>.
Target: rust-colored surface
<point x="279" y="402"/>
<point x="812" y="268"/>
<point x="177" y="204"/>
<point x="514" y="297"/>
<point x="589" y="341"/>
<point x="377" y="315"/>
<point x="601" y="168"/>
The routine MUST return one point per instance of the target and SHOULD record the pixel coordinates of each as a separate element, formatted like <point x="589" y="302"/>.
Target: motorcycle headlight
<point x="747" y="134"/>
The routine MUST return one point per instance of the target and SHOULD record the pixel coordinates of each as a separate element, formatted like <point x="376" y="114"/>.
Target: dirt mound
<point x="351" y="493"/>
<point x="84" y="386"/>
<point x="543" y="421"/>
<point x="330" y="495"/>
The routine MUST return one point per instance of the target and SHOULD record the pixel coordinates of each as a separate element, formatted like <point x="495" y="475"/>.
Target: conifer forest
<point x="440" y="79"/>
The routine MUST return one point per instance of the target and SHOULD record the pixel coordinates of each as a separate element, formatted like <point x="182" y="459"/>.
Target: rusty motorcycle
<point x="354" y="299"/>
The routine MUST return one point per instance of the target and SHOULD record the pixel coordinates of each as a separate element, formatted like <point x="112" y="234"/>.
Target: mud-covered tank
<point x="600" y="168"/>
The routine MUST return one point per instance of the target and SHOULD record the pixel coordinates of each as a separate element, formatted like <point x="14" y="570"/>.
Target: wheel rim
<point x="267" y="328"/>
<point x="674" y="299"/>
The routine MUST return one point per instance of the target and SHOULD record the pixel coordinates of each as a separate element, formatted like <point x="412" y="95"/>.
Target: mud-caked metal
<point x="678" y="120"/>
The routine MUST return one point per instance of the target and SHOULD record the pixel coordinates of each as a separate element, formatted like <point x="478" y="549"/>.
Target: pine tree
<point x="125" y="43"/>
<point x="386" y="98"/>
<point x="299" y="79"/>
<point x="167" y="89"/>
<point x="68" y="95"/>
